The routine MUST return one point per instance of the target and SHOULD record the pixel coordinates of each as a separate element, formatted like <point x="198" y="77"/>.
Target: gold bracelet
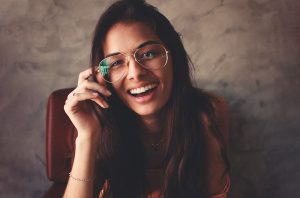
<point x="81" y="180"/>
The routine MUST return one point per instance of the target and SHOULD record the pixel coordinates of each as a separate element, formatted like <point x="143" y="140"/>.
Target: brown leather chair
<point x="60" y="141"/>
<point x="60" y="138"/>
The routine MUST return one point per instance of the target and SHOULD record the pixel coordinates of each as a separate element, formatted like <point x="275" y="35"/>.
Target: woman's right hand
<point x="80" y="110"/>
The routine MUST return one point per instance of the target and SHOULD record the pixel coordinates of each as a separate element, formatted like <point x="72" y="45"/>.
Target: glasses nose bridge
<point x="129" y="55"/>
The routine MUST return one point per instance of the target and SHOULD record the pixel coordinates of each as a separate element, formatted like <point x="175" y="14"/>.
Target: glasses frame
<point x="133" y="54"/>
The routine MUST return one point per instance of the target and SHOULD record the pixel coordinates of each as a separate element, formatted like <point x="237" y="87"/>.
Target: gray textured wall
<point x="245" y="50"/>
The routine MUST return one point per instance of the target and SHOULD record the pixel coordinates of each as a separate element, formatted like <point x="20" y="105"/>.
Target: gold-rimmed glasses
<point x="150" y="56"/>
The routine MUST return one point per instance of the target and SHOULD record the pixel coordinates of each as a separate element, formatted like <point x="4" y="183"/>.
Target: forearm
<point x="83" y="169"/>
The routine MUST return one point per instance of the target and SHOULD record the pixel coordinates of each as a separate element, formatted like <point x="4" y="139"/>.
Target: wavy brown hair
<point x="121" y="153"/>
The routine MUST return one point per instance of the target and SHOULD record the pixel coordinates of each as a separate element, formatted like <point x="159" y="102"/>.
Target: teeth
<point x="142" y="89"/>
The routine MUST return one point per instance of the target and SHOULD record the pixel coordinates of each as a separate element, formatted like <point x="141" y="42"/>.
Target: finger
<point x="84" y="75"/>
<point x="95" y="87"/>
<point x="87" y="95"/>
<point x="75" y="97"/>
<point x="71" y="93"/>
<point x="100" y="101"/>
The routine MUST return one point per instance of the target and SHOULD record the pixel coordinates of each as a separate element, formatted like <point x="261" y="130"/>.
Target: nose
<point x="135" y="70"/>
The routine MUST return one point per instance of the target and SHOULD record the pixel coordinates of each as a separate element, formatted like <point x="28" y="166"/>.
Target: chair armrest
<point x="56" y="190"/>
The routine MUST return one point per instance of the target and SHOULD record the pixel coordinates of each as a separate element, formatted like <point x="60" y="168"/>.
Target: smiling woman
<point x="143" y="129"/>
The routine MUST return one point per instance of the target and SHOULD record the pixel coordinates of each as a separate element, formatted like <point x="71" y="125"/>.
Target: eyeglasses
<point x="150" y="56"/>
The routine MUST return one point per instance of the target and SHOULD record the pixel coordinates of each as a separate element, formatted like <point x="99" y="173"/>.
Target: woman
<point x="143" y="129"/>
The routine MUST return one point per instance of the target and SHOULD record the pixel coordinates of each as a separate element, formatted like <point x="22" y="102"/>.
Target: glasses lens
<point x="113" y="67"/>
<point x="152" y="56"/>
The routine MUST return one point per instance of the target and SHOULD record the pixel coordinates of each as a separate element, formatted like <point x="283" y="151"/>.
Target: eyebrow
<point x="140" y="46"/>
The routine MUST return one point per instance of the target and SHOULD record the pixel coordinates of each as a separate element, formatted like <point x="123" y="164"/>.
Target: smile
<point x="144" y="89"/>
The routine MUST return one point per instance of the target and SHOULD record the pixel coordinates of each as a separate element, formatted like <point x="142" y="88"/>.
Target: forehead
<point x="123" y="37"/>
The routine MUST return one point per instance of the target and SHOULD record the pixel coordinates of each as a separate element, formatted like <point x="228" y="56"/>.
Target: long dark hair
<point x="121" y="153"/>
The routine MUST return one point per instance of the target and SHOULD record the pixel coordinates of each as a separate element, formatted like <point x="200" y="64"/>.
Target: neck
<point x="152" y="138"/>
<point x="151" y="125"/>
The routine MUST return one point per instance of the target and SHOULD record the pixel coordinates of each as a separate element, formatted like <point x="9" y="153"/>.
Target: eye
<point x="116" y="64"/>
<point x="148" y="55"/>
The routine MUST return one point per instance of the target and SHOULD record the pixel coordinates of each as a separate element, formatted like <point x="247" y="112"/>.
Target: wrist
<point x="85" y="141"/>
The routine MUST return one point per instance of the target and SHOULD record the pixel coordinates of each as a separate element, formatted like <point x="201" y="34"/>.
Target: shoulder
<point x="214" y="110"/>
<point x="221" y="112"/>
<point x="216" y="141"/>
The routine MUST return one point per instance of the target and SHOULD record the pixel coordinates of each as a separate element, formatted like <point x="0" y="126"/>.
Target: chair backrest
<point x="60" y="137"/>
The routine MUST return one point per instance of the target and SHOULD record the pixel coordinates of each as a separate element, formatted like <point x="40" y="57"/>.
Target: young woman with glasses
<point x="143" y="129"/>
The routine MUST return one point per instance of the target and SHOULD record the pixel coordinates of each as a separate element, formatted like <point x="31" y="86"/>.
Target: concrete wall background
<point x="245" y="50"/>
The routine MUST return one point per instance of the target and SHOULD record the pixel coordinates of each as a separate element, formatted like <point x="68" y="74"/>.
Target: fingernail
<point x="95" y="93"/>
<point x="105" y="105"/>
<point x="108" y="92"/>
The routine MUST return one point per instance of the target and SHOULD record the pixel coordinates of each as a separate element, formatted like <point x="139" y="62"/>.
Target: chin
<point x="146" y="111"/>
